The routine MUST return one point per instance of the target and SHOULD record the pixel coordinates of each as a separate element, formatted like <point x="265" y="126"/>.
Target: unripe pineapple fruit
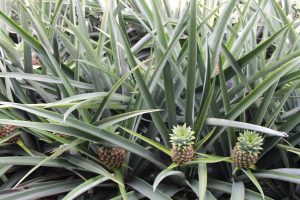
<point x="247" y="149"/>
<point x="6" y="130"/>
<point x="182" y="140"/>
<point x="111" y="157"/>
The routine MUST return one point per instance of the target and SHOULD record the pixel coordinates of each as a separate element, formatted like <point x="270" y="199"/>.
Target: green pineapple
<point x="247" y="149"/>
<point x="111" y="157"/>
<point x="182" y="139"/>
<point x="6" y="130"/>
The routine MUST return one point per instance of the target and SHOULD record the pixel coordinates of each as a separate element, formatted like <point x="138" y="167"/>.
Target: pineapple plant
<point x="111" y="157"/>
<point x="182" y="140"/>
<point x="78" y="59"/>
<point x="7" y="130"/>
<point x="247" y="149"/>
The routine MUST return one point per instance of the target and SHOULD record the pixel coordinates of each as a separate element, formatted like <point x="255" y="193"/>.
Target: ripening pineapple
<point x="6" y="130"/>
<point x="182" y="139"/>
<point x="111" y="157"/>
<point x="247" y="149"/>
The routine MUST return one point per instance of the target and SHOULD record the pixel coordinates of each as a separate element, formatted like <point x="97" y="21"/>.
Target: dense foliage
<point x="91" y="91"/>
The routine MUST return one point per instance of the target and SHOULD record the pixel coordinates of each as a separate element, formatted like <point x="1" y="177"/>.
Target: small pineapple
<point x="217" y="70"/>
<point x="247" y="149"/>
<point x="6" y="130"/>
<point x="36" y="60"/>
<point x="111" y="157"/>
<point x="61" y="135"/>
<point x="182" y="144"/>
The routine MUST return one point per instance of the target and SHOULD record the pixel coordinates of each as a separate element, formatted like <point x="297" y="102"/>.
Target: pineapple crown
<point x="182" y="136"/>
<point x="250" y="141"/>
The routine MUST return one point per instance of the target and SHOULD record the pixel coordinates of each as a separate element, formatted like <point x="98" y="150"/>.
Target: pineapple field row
<point x="149" y="99"/>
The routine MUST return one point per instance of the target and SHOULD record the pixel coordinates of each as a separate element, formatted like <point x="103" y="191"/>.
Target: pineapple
<point x="6" y="130"/>
<point x="182" y="144"/>
<point x="247" y="149"/>
<point x="217" y="70"/>
<point x="36" y="60"/>
<point x="111" y="157"/>
<point x="61" y="135"/>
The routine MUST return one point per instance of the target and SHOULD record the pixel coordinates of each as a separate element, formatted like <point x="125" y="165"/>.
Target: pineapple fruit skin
<point x="243" y="159"/>
<point x="111" y="157"/>
<point x="182" y="155"/>
<point x="7" y="130"/>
